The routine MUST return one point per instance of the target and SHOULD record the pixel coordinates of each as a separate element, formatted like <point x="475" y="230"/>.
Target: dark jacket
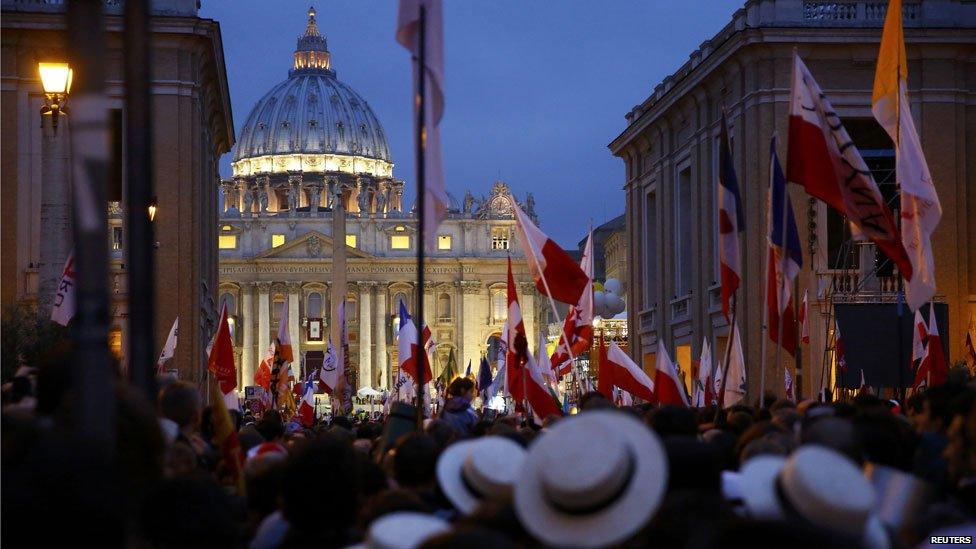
<point x="459" y="414"/>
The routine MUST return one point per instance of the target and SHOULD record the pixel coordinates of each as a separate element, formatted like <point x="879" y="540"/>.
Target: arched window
<point x="399" y="298"/>
<point x="313" y="306"/>
<point x="444" y="307"/>
<point x="352" y="309"/>
<point x="231" y="302"/>
<point x="277" y="309"/>
<point x="499" y="305"/>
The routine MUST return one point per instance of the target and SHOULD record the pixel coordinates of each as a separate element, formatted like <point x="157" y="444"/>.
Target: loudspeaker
<point x="878" y="340"/>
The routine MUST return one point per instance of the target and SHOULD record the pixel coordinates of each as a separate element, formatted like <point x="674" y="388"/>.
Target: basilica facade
<point x="310" y="149"/>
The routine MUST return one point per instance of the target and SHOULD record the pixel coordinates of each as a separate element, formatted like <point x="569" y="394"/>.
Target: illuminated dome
<point x="312" y="122"/>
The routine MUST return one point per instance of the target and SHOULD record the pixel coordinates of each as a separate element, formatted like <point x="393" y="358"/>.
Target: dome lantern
<point x="312" y="52"/>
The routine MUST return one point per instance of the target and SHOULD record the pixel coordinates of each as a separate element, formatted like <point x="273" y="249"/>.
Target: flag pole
<point x="799" y="337"/>
<point x="421" y="199"/>
<point x="728" y="354"/>
<point x="764" y="324"/>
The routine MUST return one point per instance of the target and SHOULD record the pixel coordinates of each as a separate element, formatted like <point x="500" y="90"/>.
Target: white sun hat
<point x="470" y="472"/>
<point x="593" y="480"/>
<point x="402" y="530"/>
<point x="824" y="487"/>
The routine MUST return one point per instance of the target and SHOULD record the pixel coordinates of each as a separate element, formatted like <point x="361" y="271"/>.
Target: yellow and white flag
<point x="920" y="208"/>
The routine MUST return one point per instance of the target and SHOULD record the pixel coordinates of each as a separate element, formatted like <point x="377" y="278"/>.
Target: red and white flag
<point x="920" y="334"/>
<point x="553" y="270"/>
<point x="408" y="35"/>
<point x="64" y="299"/>
<point x="517" y="353"/>
<point x="306" y="409"/>
<point x="220" y="361"/>
<point x="284" y="338"/>
<point x="934" y="369"/>
<point x="785" y="257"/>
<point x="537" y="392"/>
<point x="407" y="347"/>
<point x="169" y="348"/>
<point x="667" y="383"/>
<point x="823" y="159"/>
<point x="730" y="220"/>
<point x="577" y="335"/>
<point x="863" y="388"/>
<point x="805" y="319"/>
<point x="331" y="370"/>
<point x="704" y="394"/>
<point x="920" y="207"/>
<point x="627" y="375"/>
<point x="970" y="342"/>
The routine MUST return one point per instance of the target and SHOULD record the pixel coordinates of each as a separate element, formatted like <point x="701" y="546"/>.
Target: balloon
<point x="599" y="301"/>
<point x="615" y="305"/>
<point x="597" y="286"/>
<point x="612" y="285"/>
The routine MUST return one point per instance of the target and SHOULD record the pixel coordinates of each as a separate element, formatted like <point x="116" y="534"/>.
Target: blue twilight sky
<point x="535" y="90"/>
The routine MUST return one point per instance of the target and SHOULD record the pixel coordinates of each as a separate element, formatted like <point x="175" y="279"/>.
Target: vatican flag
<point x="920" y="208"/>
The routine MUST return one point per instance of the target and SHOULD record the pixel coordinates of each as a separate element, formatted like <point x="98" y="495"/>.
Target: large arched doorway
<point x="494" y="344"/>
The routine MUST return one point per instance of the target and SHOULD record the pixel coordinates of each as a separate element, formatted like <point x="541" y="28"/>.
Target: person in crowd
<point x="457" y="411"/>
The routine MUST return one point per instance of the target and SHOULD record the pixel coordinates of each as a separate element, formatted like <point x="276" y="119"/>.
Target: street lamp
<point x="153" y="207"/>
<point x="56" y="81"/>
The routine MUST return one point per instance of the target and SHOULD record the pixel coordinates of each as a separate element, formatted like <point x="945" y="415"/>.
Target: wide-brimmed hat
<point x="402" y="530"/>
<point x="470" y="472"/>
<point x="824" y="487"/>
<point x="592" y="480"/>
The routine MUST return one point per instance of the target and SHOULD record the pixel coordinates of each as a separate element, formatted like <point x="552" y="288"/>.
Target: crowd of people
<point x="866" y="472"/>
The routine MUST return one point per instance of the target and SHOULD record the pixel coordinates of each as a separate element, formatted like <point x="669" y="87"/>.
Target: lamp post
<point x="56" y="80"/>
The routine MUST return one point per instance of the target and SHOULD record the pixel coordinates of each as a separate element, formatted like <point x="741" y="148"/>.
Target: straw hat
<point x="593" y="480"/>
<point x="484" y="468"/>
<point x="824" y="487"/>
<point x="402" y="530"/>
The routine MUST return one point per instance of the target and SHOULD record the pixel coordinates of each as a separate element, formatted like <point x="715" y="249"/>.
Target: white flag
<point x="408" y="35"/>
<point x="169" y="349"/>
<point x="735" y="389"/>
<point x="706" y="373"/>
<point x="64" y="299"/>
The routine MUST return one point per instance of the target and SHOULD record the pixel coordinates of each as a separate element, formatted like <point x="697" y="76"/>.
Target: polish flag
<point x="921" y="210"/>
<point x="704" y="393"/>
<point x="823" y="159"/>
<point x="604" y="384"/>
<point x="554" y="272"/>
<point x="667" y="382"/>
<point x="537" y="393"/>
<point x="169" y="349"/>
<point x="577" y="333"/>
<point x="284" y="338"/>
<point x="934" y="370"/>
<point x="518" y="345"/>
<point x="731" y="222"/>
<point x="804" y="319"/>
<point x="920" y="334"/>
<point x="331" y="370"/>
<point x="407" y="347"/>
<point x="220" y="361"/>
<point x="306" y="410"/>
<point x="626" y="374"/>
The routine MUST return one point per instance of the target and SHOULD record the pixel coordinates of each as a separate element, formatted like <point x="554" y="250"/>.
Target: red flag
<point x="823" y="159"/>
<point x="839" y="357"/>
<point x="551" y="267"/>
<point x="667" y="383"/>
<point x="920" y="334"/>
<point x="934" y="370"/>
<point x="625" y="373"/>
<point x="263" y="376"/>
<point x="517" y="352"/>
<point x="225" y="439"/>
<point x="605" y="382"/>
<point x="220" y="360"/>
<point x="577" y="333"/>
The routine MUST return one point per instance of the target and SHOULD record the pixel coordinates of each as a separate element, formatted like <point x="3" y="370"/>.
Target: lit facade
<point x="311" y="144"/>
<point x="670" y="151"/>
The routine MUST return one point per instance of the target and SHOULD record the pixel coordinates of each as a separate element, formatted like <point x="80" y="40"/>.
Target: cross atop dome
<point x="312" y="52"/>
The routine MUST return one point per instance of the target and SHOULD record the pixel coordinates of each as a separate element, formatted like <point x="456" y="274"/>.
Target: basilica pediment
<point x="311" y="245"/>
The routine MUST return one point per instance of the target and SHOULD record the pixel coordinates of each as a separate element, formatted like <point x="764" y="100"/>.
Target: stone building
<point x="312" y="147"/>
<point x="669" y="148"/>
<point x="192" y="129"/>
